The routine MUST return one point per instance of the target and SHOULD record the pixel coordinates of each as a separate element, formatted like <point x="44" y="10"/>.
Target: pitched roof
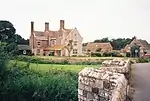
<point x="65" y="31"/>
<point x="38" y="33"/>
<point x="56" y="47"/>
<point x="24" y="47"/>
<point x="94" y="46"/>
<point x="145" y="44"/>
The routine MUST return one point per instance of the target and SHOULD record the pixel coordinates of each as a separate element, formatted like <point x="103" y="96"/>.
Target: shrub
<point x="142" y="60"/>
<point x="23" y="84"/>
<point x="106" y="54"/>
<point x="128" y="54"/>
<point x="96" y="54"/>
<point x="65" y="62"/>
<point x="116" y="54"/>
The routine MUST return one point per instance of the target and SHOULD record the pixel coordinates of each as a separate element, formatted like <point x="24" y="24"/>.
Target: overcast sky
<point x="94" y="19"/>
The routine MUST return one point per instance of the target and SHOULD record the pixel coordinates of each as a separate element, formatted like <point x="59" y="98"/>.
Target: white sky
<point x="94" y="19"/>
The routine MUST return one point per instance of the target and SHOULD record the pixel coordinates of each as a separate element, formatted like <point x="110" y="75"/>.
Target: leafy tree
<point x="7" y="35"/>
<point x="21" y="41"/>
<point x="3" y="56"/>
<point x="102" y="40"/>
<point x="69" y="47"/>
<point x="7" y="31"/>
<point x="119" y="43"/>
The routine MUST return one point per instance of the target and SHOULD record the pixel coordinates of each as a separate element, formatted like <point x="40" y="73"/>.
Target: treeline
<point x="117" y="44"/>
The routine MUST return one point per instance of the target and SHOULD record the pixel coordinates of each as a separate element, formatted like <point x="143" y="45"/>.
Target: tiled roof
<point x="65" y="31"/>
<point x="94" y="46"/>
<point x="145" y="44"/>
<point x="56" y="47"/>
<point x="38" y="33"/>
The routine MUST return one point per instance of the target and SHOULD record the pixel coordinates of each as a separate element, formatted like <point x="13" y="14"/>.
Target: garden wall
<point x="108" y="83"/>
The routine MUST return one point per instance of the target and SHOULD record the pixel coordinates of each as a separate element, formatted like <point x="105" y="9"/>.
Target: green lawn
<point x="47" y="67"/>
<point x="54" y="57"/>
<point x="74" y="68"/>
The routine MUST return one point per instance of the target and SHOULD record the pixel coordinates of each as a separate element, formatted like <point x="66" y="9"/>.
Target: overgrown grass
<point x="25" y="84"/>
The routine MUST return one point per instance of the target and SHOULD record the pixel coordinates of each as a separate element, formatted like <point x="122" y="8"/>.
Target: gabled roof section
<point x="38" y="33"/>
<point x="65" y="31"/>
<point x="145" y="44"/>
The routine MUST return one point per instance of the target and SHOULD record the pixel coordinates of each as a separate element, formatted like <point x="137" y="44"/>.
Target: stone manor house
<point x="56" y="43"/>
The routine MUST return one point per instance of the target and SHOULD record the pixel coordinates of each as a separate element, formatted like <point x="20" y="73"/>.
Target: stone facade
<point x="103" y="84"/>
<point x="55" y="43"/>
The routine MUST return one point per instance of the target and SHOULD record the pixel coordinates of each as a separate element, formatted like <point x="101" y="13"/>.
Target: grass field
<point x="47" y="67"/>
<point x="54" y="57"/>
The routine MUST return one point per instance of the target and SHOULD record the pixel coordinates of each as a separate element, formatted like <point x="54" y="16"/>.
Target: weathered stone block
<point x="80" y="92"/>
<point x="99" y="84"/>
<point x="84" y="80"/>
<point x="90" y="95"/>
<point x="88" y="88"/>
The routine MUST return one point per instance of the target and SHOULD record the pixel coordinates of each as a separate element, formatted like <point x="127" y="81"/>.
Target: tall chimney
<point x="32" y="27"/>
<point x="46" y="26"/>
<point x="62" y="24"/>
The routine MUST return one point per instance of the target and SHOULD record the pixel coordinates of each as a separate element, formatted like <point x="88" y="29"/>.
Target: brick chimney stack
<point x="32" y="27"/>
<point x="46" y="26"/>
<point x="62" y="24"/>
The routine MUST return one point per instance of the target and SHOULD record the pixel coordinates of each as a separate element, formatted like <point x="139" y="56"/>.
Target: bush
<point x="96" y="54"/>
<point x="128" y="54"/>
<point x="106" y="54"/>
<point x="23" y="84"/>
<point x="142" y="60"/>
<point x="116" y="54"/>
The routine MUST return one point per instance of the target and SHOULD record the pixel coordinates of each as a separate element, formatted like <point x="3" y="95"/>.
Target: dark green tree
<point x="8" y="36"/>
<point x="102" y="40"/>
<point x="7" y="31"/>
